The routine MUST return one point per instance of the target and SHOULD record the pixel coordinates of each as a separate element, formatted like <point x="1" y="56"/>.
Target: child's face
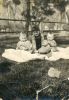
<point x="50" y="36"/>
<point x="36" y="33"/>
<point x="23" y="37"/>
<point x="45" y="43"/>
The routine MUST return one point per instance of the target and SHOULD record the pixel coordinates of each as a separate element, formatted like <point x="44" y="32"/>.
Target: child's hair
<point x="35" y="28"/>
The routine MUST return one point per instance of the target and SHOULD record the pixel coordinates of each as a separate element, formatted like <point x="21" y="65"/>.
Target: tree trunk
<point x="28" y="17"/>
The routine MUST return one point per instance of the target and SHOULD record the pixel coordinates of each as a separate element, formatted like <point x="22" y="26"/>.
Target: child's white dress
<point x="24" y="45"/>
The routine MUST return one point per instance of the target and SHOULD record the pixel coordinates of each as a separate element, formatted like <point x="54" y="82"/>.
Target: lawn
<point x="25" y="78"/>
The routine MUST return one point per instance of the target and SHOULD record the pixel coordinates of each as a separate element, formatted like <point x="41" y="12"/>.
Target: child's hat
<point x="35" y="28"/>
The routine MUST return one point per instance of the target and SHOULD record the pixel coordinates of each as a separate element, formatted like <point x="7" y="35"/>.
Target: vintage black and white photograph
<point x="34" y="49"/>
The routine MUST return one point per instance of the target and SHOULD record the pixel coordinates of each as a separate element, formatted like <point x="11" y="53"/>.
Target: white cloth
<point x="24" y="56"/>
<point x="61" y="53"/>
<point x="20" y="55"/>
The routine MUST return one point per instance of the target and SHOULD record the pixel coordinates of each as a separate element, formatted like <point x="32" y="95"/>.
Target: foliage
<point x="17" y="2"/>
<point x="43" y="4"/>
<point x="61" y="5"/>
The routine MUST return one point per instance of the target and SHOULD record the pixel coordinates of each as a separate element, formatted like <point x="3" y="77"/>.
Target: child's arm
<point x="18" y="45"/>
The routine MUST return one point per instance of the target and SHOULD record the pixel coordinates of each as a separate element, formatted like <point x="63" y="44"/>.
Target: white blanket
<point x="24" y="56"/>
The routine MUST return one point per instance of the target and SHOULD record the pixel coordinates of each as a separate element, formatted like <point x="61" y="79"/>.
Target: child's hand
<point x="32" y="51"/>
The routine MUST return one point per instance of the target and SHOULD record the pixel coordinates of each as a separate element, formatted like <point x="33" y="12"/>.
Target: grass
<point x="25" y="78"/>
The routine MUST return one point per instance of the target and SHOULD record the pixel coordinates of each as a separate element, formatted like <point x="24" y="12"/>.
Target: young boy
<point x="36" y="39"/>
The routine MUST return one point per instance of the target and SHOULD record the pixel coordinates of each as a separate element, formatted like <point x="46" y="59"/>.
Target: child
<point x="45" y="49"/>
<point x="52" y="42"/>
<point x="24" y="44"/>
<point x="36" y="40"/>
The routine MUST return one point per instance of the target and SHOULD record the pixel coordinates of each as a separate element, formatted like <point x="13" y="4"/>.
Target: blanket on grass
<point x="24" y="56"/>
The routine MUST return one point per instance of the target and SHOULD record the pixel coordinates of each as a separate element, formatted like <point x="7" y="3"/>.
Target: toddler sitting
<point x="45" y="49"/>
<point x="52" y="42"/>
<point x="24" y="44"/>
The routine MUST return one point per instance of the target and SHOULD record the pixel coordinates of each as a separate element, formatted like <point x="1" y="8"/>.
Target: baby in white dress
<point x="52" y="42"/>
<point x="24" y="44"/>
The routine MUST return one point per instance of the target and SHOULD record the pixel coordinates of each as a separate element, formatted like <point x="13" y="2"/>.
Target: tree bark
<point x="28" y="17"/>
